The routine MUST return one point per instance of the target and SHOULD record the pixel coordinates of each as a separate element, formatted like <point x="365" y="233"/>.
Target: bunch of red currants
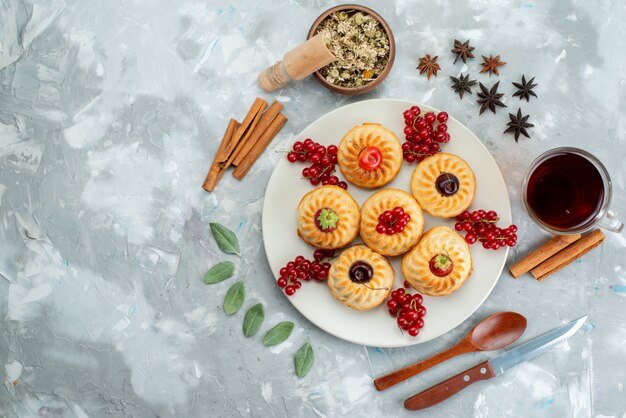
<point x="423" y="133"/>
<point x="480" y="225"/>
<point x="407" y="309"/>
<point x="300" y="269"/>
<point x="323" y="161"/>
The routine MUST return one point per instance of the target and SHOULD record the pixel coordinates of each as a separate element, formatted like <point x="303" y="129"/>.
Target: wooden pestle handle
<point x="298" y="63"/>
<point x="443" y="390"/>
<point x="403" y="374"/>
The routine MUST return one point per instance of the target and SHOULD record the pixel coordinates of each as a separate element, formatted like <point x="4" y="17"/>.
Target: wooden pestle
<point x="296" y="64"/>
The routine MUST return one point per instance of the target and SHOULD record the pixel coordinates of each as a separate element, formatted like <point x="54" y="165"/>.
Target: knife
<point x="494" y="367"/>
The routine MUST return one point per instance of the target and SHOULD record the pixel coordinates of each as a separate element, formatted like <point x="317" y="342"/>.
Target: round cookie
<point x="328" y="218"/>
<point x="369" y="155"/>
<point x="385" y="240"/>
<point x="439" y="264"/>
<point x="444" y="185"/>
<point x="360" y="278"/>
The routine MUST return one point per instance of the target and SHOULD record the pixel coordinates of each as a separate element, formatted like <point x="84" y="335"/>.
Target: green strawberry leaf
<point x="328" y="218"/>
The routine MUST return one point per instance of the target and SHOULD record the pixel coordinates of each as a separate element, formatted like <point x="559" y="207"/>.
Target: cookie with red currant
<point x="444" y="185"/>
<point x="391" y="222"/>
<point x="328" y="217"/>
<point x="369" y="155"/>
<point x="360" y="278"/>
<point x="439" y="264"/>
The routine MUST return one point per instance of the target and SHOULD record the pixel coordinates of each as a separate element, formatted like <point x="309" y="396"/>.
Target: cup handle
<point x="611" y="223"/>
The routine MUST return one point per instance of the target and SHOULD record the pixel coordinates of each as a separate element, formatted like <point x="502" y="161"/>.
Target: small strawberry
<point x="326" y="219"/>
<point x="441" y="265"/>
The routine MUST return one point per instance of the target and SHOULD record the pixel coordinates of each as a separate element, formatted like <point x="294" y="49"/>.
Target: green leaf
<point x="234" y="298"/>
<point x="253" y="320"/>
<point x="328" y="219"/>
<point x="219" y="272"/>
<point x="225" y="238"/>
<point x="303" y="359"/>
<point x="278" y="334"/>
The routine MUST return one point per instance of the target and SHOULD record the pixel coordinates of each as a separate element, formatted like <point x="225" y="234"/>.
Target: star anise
<point x="491" y="64"/>
<point x="428" y="65"/>
<point x="462" y="50"/>
<point x="518" y="125"/>
<point x="489" y="98"/>
<point x="462" y="84"/>
<point x="525" y="89"/>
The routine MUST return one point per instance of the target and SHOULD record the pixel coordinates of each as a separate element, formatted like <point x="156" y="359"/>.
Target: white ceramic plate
<point x="376" y="327"/>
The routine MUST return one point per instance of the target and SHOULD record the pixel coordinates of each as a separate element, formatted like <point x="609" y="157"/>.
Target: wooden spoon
<point x="492" y="333"/>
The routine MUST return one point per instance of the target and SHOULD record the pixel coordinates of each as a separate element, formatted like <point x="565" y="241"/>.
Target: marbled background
<point x="109" y="115"/>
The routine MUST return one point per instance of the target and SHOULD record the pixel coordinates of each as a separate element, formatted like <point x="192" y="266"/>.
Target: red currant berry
<point x="513" y="228"/>
<point x="442" y="127"/>
<point x="413" y="331"/>
<point x="342" y="184"/>
<point x="418" y="298"/>
<point x="492" y="215"/>
<point x="290" y="290"/>
<point x="415" y="110"/>
<point x="392" y="304"/>
<point x="282" y="282"/>
<point x="315" y="158"/>
<point x="421" y="310"/>
<point x="442" y="117"/>
<point x="292" y="157"/>
<point x="470" y="238"/>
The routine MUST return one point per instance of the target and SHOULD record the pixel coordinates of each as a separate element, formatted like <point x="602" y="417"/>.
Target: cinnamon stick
<point x="259" y="146"/>
<point x="216" y="171"/>
<point x="247" y="144"/>
<point x="568" y="255"/>
<point x="244" y="129"/>
<point x="542" y="253"/>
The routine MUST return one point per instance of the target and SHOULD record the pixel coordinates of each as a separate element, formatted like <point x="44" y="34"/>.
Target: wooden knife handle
<point x="401" y="375"/>
<point x="443" y="390"/>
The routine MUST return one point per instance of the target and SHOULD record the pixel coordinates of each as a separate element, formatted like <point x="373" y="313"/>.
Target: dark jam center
<point x="361" y="272"/>
<point x="447" y="184"/>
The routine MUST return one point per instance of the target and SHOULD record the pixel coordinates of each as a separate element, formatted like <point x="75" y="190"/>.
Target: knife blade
<point x="494" y="367"/>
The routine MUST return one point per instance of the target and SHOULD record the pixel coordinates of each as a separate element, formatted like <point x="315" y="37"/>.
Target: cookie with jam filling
<point x="360" y="278"/>
<point x="328" y="218"/>
<point x="444" y="185"/>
